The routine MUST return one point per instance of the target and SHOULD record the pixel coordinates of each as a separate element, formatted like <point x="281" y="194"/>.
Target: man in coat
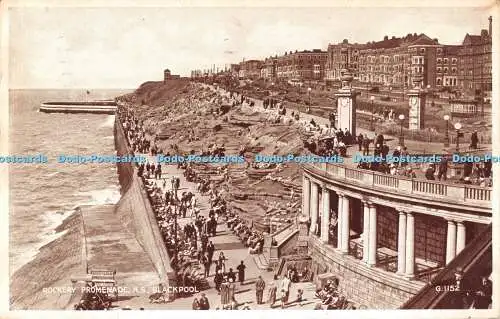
<point x="260" y="285"/>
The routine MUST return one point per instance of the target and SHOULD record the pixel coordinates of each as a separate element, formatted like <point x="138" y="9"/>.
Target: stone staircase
<point x="261" y="261"/>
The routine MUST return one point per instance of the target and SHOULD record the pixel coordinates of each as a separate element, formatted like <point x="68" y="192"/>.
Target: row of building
<point x="391" y="62"/>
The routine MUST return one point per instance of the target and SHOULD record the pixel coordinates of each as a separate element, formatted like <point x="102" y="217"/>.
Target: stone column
<point x="340" y="218"/>
<point x="451" y="241"/>
<point x="306" y="196"/>
<point x="372" y="250"/>
<point x="366" y="231"/>
<point x="460" y="237"/>
<point x="410" y="246"/>
<point x="325" y="222"/>
<point x="345" y="225"/>
<point x="314" y="207"/>
<point x="402" y="243"/>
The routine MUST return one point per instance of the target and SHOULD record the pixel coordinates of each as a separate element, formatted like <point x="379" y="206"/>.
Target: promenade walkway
<point x="414" y="147"/>
<point x="234" y="251"/>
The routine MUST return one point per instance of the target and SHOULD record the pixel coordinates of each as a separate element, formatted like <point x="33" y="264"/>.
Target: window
<point x="454" y="60"/>
<point x="438" y="81"/>
<point x="454" y="70"/>
<point x="445" y="70"/>
<point x="439" y="60"/>
<point x="422" y="50"/>
<point x="439" y="70"/>
<point x="445" y="60"/>
<point x="439" y="51"/>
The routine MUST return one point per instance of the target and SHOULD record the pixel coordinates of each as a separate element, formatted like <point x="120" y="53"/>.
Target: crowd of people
<point x="331" y="298"/>
<point x="250" y="237"/>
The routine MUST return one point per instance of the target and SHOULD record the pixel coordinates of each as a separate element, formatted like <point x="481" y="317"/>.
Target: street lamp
<point x="447" y="135"/>
<point x="401" y="136"/>
<point x="309" y="94"/>
<point x="372" y="98"/>
<point x="458" y="126"/>
<point x="432" y="96"/>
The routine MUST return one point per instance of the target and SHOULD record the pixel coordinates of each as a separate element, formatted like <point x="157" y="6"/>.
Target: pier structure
<point x="97" y="107"/>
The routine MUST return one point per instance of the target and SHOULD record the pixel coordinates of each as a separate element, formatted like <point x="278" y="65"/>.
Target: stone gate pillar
<point x="416" y="98"/>
<point x="346" y="104"/>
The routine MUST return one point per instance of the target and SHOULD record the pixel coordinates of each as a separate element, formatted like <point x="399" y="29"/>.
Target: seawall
<point x="136" y="213"/>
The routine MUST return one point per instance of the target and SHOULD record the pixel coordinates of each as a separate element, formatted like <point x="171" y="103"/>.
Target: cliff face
<point x="136" y="213"/>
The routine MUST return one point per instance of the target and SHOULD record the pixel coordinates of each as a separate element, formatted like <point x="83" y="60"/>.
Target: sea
<point x="43" y="195"/>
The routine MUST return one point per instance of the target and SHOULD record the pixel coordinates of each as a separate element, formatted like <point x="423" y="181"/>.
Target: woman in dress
<point x="231" y="289"/>
<point x="224" y="293"/>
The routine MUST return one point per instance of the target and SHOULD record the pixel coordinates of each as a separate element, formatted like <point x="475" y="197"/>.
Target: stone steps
<point x="261" y="261"/>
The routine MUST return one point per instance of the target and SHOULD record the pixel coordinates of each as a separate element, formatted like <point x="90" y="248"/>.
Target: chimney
<point x="490" y="19"/>
<point x="386" y="38"/>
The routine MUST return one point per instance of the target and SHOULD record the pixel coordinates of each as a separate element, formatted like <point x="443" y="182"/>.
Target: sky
<point x="122" y="47"/>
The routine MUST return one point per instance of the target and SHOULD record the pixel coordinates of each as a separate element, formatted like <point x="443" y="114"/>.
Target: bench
<point x="103" y="278"/>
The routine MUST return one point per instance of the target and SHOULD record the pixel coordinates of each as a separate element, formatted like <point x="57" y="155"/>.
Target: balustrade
<point x="388" y="181"/>
<point x="400" y="184"/>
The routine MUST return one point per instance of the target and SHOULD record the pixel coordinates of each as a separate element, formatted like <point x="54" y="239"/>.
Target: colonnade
<point x="313" y="207"/>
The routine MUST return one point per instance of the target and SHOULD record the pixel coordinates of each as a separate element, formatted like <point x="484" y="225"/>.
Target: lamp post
<point x="447" y="135"/>
<point x="401" y="136"/>
<point x="372" y="99"/>
<point x="458" y="126"/>
<point x="309" y="95"/>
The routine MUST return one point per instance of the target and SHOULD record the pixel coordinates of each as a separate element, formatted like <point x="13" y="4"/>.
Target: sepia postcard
<point x="249" y="155"/>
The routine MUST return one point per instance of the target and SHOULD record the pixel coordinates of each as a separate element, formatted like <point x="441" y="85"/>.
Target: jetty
<point x="98" y="107"/>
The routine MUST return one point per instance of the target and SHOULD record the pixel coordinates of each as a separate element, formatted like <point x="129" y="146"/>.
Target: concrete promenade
<point x="234" y="251"/>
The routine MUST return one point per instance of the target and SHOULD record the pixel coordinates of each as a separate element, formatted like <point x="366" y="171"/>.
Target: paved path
<point x="233" y="249"/>
<point x="392" y="141"/>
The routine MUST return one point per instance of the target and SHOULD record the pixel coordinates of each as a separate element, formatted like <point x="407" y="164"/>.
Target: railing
<point x="428" y="275"/>
<point x="388" y="181"/>
<point x="476" y="195"/>
<point x="429" y="188"/>
<point x="353" y="174"/>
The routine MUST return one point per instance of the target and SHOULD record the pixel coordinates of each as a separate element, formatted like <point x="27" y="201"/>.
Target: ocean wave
<point x="56" y="173"/>
<point x="110" y="195"/>
<point x="23" y="254"/>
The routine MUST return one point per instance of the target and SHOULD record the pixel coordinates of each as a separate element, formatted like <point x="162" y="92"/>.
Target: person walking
<point x="206" y="263"/>
<point x="272" y="291"/>
<point x="443" y="168"/>
<point x="224" y="293"/>
<point x="218" y="280"/>
<point x="474" y="140"/>
<point x="285" y="290"/>
<point x="360" y="142"/>
<point x="260" y="285"/>
<point x="241" y="272"/>
<point x="231" y="289"/>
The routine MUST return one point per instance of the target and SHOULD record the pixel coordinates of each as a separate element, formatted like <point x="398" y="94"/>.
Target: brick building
<point x="394" y="62"/>
<point x="447" y="66"/>
<point x="474" y="71"/>
<point x="307" y="65"/>
<point x="342" y="56"/>
<point x="250" y="69"/>
<point x="268" y="71"/>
